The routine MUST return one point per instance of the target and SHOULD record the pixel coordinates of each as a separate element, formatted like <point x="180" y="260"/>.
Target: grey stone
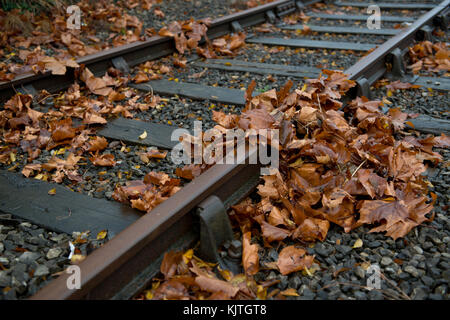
<point x="412" y="271"/>
<point x="418" y="249"/>
<point x="41" y="270"/>
<point x="295" y="282"/>
<point x="28" y="257"/>
<point x="4" y="261"/>
<point x="375" y="295"/>
<point x="428" y="281"/>
<point x="19" y="285"/>
<point x="54" y="253"/>
<point x="419" y="294"/>
<point x="374" y="244"/>
<point x="442" y="290"/>
<point x="359" y="271"/>
<point x="5" y="279"/>
<point x="385" y="261"/>
<point x="435" y="296"/>
<point x="446" y="275"/>
<point x="57" y="238"/>
<point x="344" y="249"/>
<point x="360" y="295"/>
<point x="2" y="247"/>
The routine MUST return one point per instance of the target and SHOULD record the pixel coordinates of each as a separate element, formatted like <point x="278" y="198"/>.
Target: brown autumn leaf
<point x="401" y="85"/>
<point x="227" y="121"/>
<point x="62" y="130"/>
<point x="96" y="85"/>
<point x="256" y="119"/>
<point x="97" y="144"/>
<point x="140" y="77"/>
<point x="170" y="263"/>
<point x="105" y="160"/>
<point x="312" y="229"/>
<point x="396" y="217"/>
<point x="272" y="233"/>
<point x="216" y="285"/>
<point x="293" y="259"/>
<point x="372" y="182"/>
<point x="250" y="258"/>
<point x="189" y="172"/>
<point x="92" y="118"/>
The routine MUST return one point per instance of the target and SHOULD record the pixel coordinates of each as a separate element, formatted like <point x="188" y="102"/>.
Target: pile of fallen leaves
<point x="21" y="126"/>
<point x="349" y="165"/>
<point x="52" y="33"/>
<point x="186" y="276"/>
<point x="428" y="56"/>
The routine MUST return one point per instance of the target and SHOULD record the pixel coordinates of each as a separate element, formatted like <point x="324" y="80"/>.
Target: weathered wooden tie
<point x="317" y="44"/>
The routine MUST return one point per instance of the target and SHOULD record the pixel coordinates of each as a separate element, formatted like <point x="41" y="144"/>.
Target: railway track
<point x="126" y="263"/>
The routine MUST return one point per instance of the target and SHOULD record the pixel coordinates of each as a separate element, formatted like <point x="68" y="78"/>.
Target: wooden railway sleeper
<point x="216" y="231"/>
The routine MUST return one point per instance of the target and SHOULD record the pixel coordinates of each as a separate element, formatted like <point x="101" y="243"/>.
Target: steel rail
<point x="372" y="66"/>
<point x="141" y="51"/>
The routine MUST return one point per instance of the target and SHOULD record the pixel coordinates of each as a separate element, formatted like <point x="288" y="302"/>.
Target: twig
<point x="359" y="167"/>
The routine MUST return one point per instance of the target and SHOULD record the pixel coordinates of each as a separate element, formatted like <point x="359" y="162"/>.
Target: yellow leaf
<point x="148" y="295"/>
<point x="102" y="235"/>
<point x="61" y="151"/>
<point x="39" y="176"/>
<point x="306" y="271"/>
<point x="77" y="258"/>
<point x="12" y="156"/>
<point x="143" y="135"/>
<point x="261" y="292"/>
<point x="187" y="256"/>
<point x="226" y="274"/>
<point x="290" y="292"/>
<point x="358" y="244"/>
<point x="389" y="93"/>
<point x="304" y="87"/>
<point x="52" y="191"/>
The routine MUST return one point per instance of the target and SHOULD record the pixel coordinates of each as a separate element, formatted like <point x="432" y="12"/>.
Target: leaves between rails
<point x="350" y="168"/>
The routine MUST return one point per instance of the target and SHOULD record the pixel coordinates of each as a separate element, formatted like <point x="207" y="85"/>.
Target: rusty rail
<point x="141" y="51"/>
